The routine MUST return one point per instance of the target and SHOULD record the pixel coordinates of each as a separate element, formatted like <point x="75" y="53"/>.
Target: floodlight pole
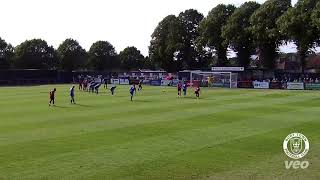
<point x="230" y="81"/>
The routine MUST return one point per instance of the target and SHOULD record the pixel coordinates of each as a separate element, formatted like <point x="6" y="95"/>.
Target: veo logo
<point x="296" y="164"/>
<point x="296" y="146"/>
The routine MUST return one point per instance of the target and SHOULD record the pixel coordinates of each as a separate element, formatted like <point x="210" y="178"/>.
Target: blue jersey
<point x="132" y="89"/>
<point x="184" y="87"/>
<point x="72" y="92"/>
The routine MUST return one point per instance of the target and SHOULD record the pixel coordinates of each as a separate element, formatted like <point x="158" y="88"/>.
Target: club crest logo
<point x="296" y="145"/>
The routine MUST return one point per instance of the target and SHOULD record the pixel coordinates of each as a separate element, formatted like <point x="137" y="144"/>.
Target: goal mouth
<point x="213" y="79"/>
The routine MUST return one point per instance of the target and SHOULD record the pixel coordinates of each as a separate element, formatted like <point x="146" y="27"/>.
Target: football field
<point x="226" y="134"/>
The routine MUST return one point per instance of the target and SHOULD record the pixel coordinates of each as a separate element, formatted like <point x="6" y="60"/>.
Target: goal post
<point x="213" y="79"/>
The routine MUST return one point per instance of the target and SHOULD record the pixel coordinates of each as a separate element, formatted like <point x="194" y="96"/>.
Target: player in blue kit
<point x="112" y="89"/>
<point x="132" y="91"/>
<point x="72" y="95"/>
<point x="184" y="88"/>
<point x="140" y="85"/>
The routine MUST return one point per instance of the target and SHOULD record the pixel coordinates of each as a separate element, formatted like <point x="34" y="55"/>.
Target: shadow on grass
<point x="72" y="105"/>
<point x="83" y="105"/>
<point x="119" y="96"/>
<point x="190" y="97"/>
<point x="139" y="100"/>
<point x="63" y="107"/>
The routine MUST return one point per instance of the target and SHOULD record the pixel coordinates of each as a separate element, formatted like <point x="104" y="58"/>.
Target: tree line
<point x="192" y="41"/>
<point x="188" y="41"/>
<point x="37" y="54"/>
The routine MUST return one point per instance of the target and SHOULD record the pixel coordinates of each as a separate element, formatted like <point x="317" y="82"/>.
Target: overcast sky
<point x="121" y="22"/>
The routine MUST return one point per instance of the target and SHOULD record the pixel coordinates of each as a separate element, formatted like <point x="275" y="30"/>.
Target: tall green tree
<point x="237" y="32"/>
<point x="166" y="44"/>
<point x="103" y="56"/>
<point x="72" y="55"/>
<point x="265" y="31"/>
<point x="35" y="54"/>
<point x="131" y="59"/>
<point x="149" y="64"/>
<point x="316" y="18"/>
<point x="191" y="19"/>
<point x="296" y="24"/>
<point x="210" y="30"/>
<point x="6" y="54"/>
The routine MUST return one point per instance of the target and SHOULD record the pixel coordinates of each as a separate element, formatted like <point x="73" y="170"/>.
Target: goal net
<point x="213" y="79"/>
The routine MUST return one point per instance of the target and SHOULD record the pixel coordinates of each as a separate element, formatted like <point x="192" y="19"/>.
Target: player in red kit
<point x="197" y="92"/>
<point x="179" y="86"/>
<point x="52" y="96"/>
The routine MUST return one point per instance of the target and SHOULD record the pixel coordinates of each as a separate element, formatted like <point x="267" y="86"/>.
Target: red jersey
<point x="52" y="93"/>
<point x="197" y="90"/>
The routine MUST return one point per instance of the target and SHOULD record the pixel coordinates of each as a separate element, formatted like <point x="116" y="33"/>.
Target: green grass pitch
<point x="226" y="134"/>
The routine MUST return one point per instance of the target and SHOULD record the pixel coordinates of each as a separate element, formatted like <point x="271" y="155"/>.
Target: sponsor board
<point x="230" y="69"/>
<point x="217" y="85"/>
<point x="313" y="86"/>
<point x="295" y="86"/>
<point x="226" y="85"/>
<point x="155" y="82"/>
<point x="146" y="81"/>
<point x="260" y="85"/>
<point x="115" y="81"/>
<point x="276" y="85"/>
<point x="124" y="81"/>
<point x="175" y="82"/>
<point x="165" y="82"/>
<point x="134" y="81"/>
<point x="245" y="84"/>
